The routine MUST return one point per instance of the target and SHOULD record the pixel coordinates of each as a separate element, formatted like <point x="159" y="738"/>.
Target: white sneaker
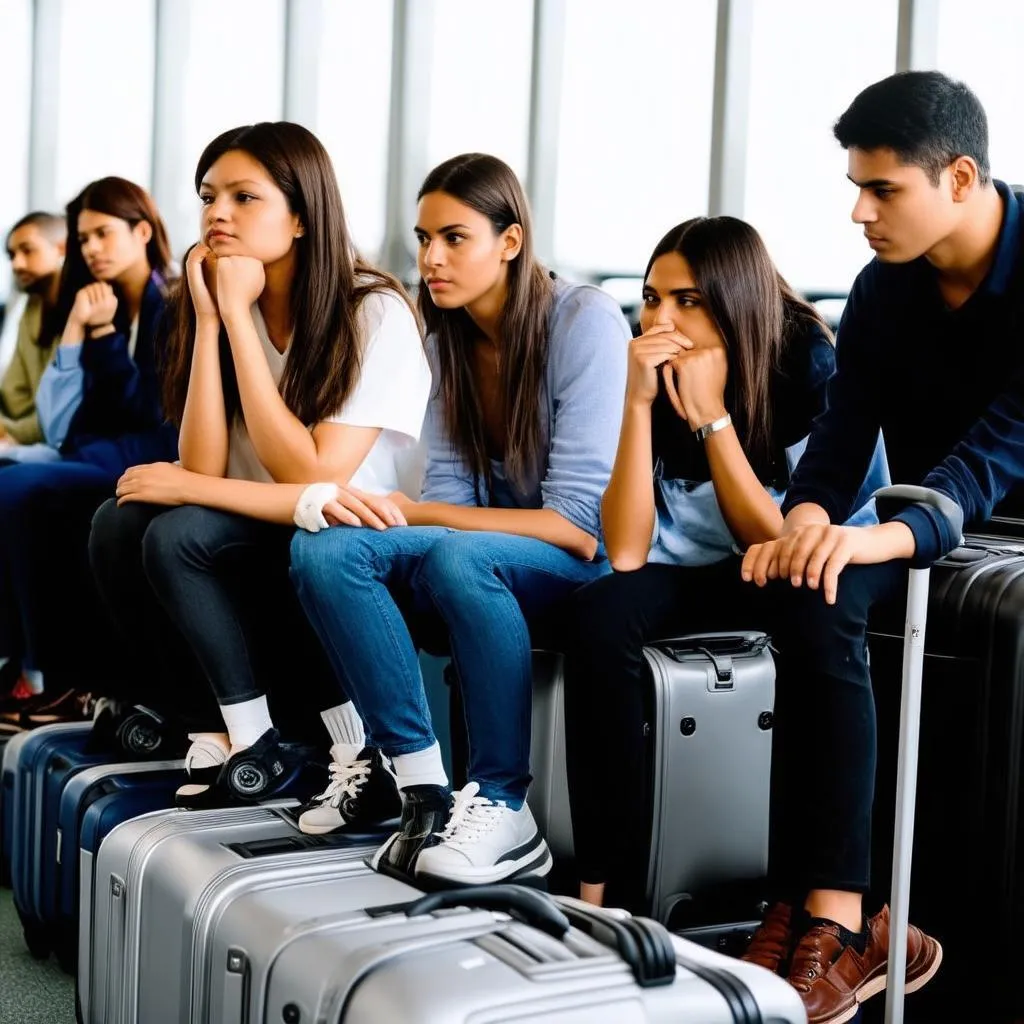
<point x="485" y="841"/>
<point x="361" y="793"/>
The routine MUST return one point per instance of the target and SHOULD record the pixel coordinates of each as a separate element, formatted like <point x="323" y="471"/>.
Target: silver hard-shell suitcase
<point x="505" y="953"/>
<point x="160" y="881"/>
<point x="256" y="921"/>
<point x="713" y="701"/>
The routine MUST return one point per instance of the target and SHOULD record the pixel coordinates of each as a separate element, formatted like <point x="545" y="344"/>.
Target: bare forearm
<point x="627" y="509"/>
<point x="203" y="437"/>
<point x="747" y="508"/>
<point x="804" y="514"/>
<point x="272" y="503"/>
<point x="542" y="523"/>
<point x="282" y="443"/>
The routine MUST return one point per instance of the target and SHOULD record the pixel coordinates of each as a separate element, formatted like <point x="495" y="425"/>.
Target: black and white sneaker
<point x="425" y="810"/>
<point x="485" y="841"/>
<point x="260" y="771"/>
<point x="361" y="793"/>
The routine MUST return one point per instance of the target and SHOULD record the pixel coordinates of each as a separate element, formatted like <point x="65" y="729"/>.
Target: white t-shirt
<point x="391" y="393"/>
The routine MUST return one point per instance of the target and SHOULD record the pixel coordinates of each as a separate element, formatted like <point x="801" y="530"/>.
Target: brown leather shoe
<point x="771" y="944"/>
<point x="834" y="979"/>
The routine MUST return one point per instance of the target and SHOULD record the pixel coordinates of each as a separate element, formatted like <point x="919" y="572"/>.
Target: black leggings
<point x="824" y="746"/>
<point x="203" y="600"/>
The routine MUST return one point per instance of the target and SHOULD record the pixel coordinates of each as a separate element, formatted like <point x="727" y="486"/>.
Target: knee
<point x="457" y="568"/>
<point x="603" y="613"/>
<point x="173" y="536"/>
<point x="326" y="560"/>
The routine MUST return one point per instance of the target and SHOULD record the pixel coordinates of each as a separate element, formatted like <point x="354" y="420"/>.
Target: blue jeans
<point x="371" y="595"/>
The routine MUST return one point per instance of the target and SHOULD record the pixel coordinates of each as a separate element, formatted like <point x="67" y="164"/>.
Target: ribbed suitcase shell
<point x="711" y="762"/>
<point x="478" y="965"/>
<point x="159" y="882"/>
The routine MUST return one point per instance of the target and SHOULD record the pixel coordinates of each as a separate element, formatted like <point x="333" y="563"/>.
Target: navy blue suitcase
<point x="48" y="758"/>
<point x="91" y="804"/>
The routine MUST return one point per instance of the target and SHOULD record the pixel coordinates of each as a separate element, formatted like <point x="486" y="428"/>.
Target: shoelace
<point x="346" y="780"/>
<point x="472" y="817"/>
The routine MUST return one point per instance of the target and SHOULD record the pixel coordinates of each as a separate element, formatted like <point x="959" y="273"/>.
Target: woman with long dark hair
<point x="104" y="381"/>
<point x="723" y="384"/>
<point x="291" y="361"/>
<point x="521" y="428"/>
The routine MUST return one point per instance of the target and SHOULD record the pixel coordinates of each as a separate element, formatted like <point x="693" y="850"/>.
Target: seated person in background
<point x="723" y="385"/>
<point x="108" y="313"/>
<point x="521" y="429"/>
<point x="35" y="246"/>
<point x="292" y="361"/>
<point x="930" y="352"/>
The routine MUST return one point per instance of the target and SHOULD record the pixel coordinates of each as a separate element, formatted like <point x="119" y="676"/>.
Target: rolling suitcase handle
<point x="889" y="502"/>
<point x="528" y="904"/>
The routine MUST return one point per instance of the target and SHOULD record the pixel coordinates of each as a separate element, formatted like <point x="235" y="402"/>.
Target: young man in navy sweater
<point x="929" y="352"/>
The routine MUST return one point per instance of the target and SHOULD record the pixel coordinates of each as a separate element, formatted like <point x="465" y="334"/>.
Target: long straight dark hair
<point x="489" y="186"/>
<point x="116" y="197"/>
<point x="754" y="309"/>
<point x="325" y="356"/>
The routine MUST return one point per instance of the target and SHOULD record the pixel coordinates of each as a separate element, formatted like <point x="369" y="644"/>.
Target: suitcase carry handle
<point x="889" y="502"/>
<point x="527" y="904"/>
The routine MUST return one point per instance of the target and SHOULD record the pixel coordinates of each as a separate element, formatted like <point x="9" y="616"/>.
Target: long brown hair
<point x="754" y="309"/>
<point x="325" y="356"/>
<point x="116" y="197"/>
<point x="489" y="186"/>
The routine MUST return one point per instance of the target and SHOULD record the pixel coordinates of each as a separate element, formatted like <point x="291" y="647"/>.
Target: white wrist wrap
<point x="309" y="509"/>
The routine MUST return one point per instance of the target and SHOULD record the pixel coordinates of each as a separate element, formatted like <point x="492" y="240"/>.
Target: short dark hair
<point x="52" y="225"/>
<point x="925" y="117"/>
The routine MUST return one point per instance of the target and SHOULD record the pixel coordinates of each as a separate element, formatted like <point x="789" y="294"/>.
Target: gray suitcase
<point x="505" y="953"/>
<point x="160" y="880"/>
<point x="713" y="701"/>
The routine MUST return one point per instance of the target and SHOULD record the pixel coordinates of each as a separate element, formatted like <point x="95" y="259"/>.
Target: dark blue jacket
<point x="946" y="386"/>
<point x="120" y="421"/>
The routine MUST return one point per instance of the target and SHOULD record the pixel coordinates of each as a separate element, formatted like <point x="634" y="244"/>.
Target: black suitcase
<point x="967" y="885"/>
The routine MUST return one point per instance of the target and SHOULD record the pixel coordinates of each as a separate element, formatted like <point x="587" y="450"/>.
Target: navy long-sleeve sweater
<point x="120" y="421"/>
<point x="946" y="387"/>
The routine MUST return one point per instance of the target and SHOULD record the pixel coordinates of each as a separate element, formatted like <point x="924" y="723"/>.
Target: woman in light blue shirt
<point x="521" y="429"/>
<point x="723" y="385"/>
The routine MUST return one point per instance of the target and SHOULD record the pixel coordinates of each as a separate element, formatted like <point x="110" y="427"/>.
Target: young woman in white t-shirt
<point x="291" y="361"/>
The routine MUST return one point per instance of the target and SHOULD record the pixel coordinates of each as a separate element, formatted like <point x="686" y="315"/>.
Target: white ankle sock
<point x="246" y="721"/>
<point x="345" y="728"/>
<point x="421" y="768"/>
<point x="33" y="679"/>
<point x="343" y="753"/>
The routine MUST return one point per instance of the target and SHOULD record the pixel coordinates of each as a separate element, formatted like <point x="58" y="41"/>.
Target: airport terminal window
<point x="232" y="73"/>
<point x="635" y="128"/>
<point x="353" y="100"/>
<point x="808" y="61"/>
<point x="480" y="80"/>
<point x="104" y="124"/>
<point x="984" y="51"/>
<point x="16" y="89"/>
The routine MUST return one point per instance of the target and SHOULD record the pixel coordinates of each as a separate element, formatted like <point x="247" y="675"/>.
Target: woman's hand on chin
<point x="240" y="282"/>
<point x="160" y="483"/>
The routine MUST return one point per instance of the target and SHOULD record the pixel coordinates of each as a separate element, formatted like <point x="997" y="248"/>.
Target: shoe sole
<point x="539" y="867"/>
<point x="877" y="985"/>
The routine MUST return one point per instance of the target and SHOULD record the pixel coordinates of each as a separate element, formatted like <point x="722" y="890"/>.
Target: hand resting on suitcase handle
<point x="891" y="501"/>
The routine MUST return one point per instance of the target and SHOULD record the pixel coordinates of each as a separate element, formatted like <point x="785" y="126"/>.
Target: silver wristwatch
<point x="701" y="433"/>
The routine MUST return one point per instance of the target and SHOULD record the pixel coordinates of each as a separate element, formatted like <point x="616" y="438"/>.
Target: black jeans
<point x="49" y="618"/>
<point x="203" y="600"/>
<point x="824" y="745"/>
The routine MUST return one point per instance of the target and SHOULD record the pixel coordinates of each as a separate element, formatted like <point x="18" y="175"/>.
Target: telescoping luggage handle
<point x="889" y="502"/>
